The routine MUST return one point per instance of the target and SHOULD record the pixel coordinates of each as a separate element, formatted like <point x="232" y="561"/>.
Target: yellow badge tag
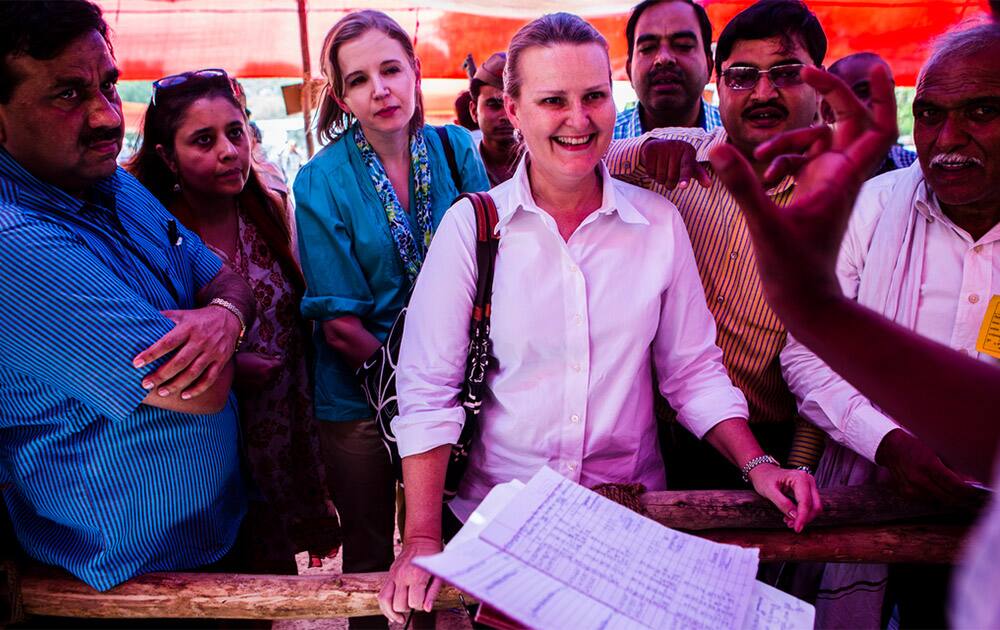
<point x="989" y="334"/>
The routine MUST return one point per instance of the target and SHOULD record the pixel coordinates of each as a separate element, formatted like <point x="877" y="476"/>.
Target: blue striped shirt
<point x="628" y="124"/>
<point x="97" y="482"/>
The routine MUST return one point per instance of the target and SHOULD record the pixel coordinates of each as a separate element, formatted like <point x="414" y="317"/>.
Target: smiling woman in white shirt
<point x="595" y="285"/>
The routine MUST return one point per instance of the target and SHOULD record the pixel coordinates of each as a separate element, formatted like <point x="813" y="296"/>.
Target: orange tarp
<point x="261" y="38"/>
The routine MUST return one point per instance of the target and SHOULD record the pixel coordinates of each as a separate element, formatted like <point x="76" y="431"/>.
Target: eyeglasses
<point x="174" y="80"/>
<point x="746" y="77"/>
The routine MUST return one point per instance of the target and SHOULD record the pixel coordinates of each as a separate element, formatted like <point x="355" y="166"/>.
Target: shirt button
<point x="978" y="249"/>
<point x="577" y="319"/>
<point x="577" y="367"/>
<point x="574" y="418"/>
<point x="973" y="298"/>
<point x="720" y="299"/>
<point x="930" y="219"/>
<point x="571" y="466"/>
<point x="963" y="351"/>
<point x="732" y="255"/>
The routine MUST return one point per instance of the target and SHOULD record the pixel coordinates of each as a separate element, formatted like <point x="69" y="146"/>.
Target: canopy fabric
<point x="261" y="38"/>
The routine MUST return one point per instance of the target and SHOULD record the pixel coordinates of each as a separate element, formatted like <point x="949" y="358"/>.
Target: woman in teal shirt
<point x="367" y="206"/>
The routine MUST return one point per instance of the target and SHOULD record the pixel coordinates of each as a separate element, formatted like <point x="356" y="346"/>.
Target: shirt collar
<point x="521" y="200"/>
<point x="699" y="123"/>
<point x="35" y="194"/>
<point x="928" y="206"/>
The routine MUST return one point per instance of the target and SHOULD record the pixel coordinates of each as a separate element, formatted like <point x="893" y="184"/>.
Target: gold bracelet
<point x="229" y="306"/>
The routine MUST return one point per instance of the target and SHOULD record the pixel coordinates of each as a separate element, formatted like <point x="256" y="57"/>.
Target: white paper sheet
<point x="771" y="609"/>
<point x="557" y="553"/>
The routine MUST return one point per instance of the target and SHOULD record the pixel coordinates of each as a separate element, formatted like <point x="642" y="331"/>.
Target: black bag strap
<point x="449" y="154"/>
<point x="487" y="245"/>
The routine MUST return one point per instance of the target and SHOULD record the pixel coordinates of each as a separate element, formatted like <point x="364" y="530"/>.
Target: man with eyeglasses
<point x="119" y="443"/>
<point x="759" y="57"/>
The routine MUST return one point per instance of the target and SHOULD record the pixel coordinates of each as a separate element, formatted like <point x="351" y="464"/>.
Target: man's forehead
<point x="857" y="68"/>
<point x="667" y="18"/>
<point x="762" y="52"/>
<point x="487" y="91"/>
<point x="954" y="77"/>
<point x="87" y="58"/>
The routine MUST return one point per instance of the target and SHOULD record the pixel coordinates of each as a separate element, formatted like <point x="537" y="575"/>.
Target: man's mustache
<point x="666" y="74"/>
<point x="102" y="134"/>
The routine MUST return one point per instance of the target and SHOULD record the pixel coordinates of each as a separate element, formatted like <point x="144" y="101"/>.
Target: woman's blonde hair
<point x="333" y="120"/>
<point x="548" y="30"/>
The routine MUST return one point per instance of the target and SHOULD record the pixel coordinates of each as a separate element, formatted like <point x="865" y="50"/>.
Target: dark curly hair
<point x="42" y="30"/>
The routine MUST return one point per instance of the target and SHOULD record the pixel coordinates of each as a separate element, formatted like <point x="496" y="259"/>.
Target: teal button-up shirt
<point x="349" y="258"/>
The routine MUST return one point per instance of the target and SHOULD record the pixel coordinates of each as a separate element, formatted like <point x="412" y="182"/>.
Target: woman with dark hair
<point x="196" y="158"/>
<point x="367" y="206"/>
<point x="595" y="285"/>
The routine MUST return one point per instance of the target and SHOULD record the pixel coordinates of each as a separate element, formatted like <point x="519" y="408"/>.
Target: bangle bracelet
<point x="229" y="306"/>
<point x="755" y="462"/>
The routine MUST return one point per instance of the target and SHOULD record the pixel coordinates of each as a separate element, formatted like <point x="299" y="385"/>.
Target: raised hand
<point x="797" y="245"/>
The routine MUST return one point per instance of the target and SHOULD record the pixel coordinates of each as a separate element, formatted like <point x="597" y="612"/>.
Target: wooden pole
<point x="856" y="530"/>
<point x="47" y="591"/>
<point x="883" y="544"/>
<point x="696" y="510"/>
<point x="306" y="77"/>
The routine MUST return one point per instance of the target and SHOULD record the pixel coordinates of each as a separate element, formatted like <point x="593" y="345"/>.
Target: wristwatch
<point x="755" y="462"/>
<point x="229" y="306"/>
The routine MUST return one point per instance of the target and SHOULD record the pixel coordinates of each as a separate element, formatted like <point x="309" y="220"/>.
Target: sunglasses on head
<point x="746" y="77"/>
<point x="175" y="80"/>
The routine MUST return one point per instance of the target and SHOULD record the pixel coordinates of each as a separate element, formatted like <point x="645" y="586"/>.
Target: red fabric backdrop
<point x="260" y="38"/>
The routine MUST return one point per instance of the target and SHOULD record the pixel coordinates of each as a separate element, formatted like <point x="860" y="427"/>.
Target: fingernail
<point x="185" y="396"/>
<point x="164" y="392"/>
<point x="138" y="363"/>
<point x="791" y="513"/>
<point x="147" y="384"/>
<point x="682" y="185"/>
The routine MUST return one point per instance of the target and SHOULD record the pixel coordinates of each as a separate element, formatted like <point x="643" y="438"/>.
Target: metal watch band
<point x="755" y="462"/>
<point x="229" y="306"/>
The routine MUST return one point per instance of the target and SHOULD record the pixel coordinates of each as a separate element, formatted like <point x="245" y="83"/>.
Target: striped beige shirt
<point x="749" y="333"/>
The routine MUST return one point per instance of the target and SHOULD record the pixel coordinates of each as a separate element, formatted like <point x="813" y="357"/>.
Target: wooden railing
<point x="859" y="524"/>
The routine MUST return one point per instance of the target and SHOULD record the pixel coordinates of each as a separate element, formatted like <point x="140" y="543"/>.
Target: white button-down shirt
<point x="577" y="327"/>
<point x="958" y="277"/>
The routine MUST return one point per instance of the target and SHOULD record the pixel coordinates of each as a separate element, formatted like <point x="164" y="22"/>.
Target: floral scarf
<point x="411" y="253"/>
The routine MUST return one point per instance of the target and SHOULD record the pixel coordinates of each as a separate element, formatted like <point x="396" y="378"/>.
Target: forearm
<point x="832" y="404"/>
<point x="213" y="400"/>
<point x="348" y="337"/>
<point x="734" y="440"/>
<point x="229" y="286"/>
<point x="423" y="478"/>
<point x="892" y="367"/>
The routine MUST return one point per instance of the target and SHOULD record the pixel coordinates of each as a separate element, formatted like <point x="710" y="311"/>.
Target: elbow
<point x="339" y="336"/>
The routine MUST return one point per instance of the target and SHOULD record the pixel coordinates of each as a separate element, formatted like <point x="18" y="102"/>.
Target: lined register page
<point x="559" y="555"/>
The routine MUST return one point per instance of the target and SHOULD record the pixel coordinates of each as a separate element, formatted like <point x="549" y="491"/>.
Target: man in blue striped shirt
<point x="669" y="62"/>
<point x="118" y="433"/>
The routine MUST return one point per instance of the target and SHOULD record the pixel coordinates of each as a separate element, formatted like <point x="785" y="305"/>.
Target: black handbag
<point x="378" y="372"/>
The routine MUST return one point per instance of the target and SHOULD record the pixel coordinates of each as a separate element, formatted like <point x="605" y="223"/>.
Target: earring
<point x="177" y="187"/>
<point x="517" y="135"/>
